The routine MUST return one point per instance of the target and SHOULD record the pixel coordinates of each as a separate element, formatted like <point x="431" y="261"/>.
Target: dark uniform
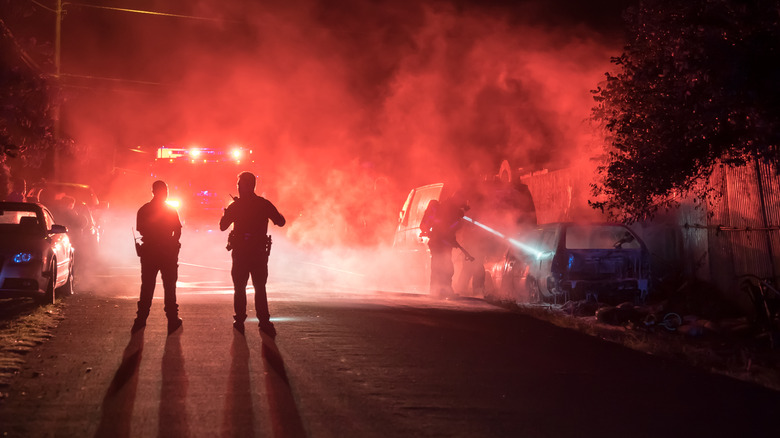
<point x="440" y="222"/>
<point x="250" y="247"/>
<point x="160" y="230"/>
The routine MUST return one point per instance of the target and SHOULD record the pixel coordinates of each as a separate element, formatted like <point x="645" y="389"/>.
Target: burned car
<point x="36" y="257"/>
<point x="559" y="262"/>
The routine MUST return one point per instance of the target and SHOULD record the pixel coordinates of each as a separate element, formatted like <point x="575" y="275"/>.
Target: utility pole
<point x="57" y="36"/>
<point x="56" y="109"/>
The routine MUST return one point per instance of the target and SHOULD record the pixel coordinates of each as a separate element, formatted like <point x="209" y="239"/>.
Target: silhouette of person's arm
<point x="177" y="227"/>
<point x="226" y="219"/>
<point x="140" y="222"/>
<point x="276" y="217"/>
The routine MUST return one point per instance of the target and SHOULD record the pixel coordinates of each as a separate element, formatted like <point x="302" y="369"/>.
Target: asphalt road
<point x="348" y="363"/>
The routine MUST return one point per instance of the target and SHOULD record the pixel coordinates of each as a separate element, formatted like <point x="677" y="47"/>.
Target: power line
<point x="138" y="11"/>
<point x="43" y="6"/>
<point x="134" y="11"/>
<point x="102" y="78"/>
<point x="22" y="54"/>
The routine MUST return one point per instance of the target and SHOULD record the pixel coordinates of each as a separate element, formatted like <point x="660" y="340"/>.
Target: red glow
<point x="342" y="127"/>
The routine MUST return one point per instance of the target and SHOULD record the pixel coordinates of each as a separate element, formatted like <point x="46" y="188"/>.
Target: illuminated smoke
<point x="346" y="106"/>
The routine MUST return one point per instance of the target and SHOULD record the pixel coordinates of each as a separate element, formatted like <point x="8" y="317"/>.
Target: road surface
<point x="349" y="363"/>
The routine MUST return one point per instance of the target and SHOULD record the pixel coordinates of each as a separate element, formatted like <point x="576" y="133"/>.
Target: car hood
<point x="15" y="242"/>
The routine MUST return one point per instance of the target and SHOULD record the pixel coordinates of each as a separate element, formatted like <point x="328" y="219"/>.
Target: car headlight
<point x="23" y="257"/>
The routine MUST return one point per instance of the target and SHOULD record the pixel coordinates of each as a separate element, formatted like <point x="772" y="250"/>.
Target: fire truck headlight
<point x="236" y="153"/>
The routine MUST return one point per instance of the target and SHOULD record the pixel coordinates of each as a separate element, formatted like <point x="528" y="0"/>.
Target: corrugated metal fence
<point x="743" y="227"/>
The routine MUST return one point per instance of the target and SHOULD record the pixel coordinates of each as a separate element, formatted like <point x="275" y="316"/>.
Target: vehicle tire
<point x="48" y="296"/>
<point x="66" y="289"/>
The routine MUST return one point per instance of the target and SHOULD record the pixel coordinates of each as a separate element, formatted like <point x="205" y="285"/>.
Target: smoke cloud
<point x="346" y="105"/>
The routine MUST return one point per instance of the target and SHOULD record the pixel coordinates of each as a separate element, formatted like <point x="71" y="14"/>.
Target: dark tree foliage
<point x="26" y="110"/>
<point x="26" y="127"/>
<point x="697" y="88"/>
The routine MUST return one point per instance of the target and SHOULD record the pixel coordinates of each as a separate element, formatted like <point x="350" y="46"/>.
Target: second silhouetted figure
<point x="251" y="246"/>
<point x="160" y="229"/>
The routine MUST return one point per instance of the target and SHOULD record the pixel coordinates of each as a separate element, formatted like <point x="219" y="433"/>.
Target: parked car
<point x="36" y="256"/>
<point x="559" y="262"/>
<point x="83" y="218"/>
<point x="51" y="190"/>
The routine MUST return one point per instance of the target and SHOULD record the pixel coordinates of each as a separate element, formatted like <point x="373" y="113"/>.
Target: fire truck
<point x="201" y="180"/>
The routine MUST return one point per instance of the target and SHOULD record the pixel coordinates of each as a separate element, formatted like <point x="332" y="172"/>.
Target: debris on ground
<point x="718" y="342"/>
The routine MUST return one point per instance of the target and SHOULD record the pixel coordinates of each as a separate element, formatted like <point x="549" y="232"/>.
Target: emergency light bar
<point x="201" y="154"/>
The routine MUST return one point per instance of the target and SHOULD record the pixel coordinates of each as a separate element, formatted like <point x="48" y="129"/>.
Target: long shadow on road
<point x="238" y="416"/>
<point x="120" y="397"/>
<point x="173" y="391"/>
<point x="283" y="411"/>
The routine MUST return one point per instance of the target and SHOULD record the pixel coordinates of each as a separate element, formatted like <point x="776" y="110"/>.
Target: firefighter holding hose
<point x="439" y="223"/>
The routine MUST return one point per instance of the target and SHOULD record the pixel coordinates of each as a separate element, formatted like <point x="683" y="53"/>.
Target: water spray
<point x="519" y="245"/>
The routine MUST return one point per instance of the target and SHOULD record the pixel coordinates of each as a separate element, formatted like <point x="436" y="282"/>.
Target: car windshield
<point x="18" y="222"/>
<point x="600" y="237"/>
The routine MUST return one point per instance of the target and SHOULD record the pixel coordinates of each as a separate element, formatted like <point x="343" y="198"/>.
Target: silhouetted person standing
<point x="160" y="230"/>
<point x="251" y="246"/>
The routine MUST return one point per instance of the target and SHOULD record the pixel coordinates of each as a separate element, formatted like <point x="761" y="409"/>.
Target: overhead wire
<point x="27" y="59"/>
<point x="43" y="6"/>
<point x="138" y="11"/>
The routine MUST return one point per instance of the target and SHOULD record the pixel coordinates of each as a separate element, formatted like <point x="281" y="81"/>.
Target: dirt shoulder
<point x="737" y="354"/>
<point x="23" y="326"/>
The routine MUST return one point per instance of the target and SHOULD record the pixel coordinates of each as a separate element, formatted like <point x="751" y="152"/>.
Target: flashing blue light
<point x="571" y="261"/>
<point x="23" y="257"/>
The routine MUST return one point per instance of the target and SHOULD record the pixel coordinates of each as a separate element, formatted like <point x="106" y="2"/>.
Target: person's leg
<point x="169" y="271"/>
<point x="240" y="274"/>
<point x="442" y="271"/>
<point x="149" y="268"/>
<point x="448" y="270"/>
<point x="259" y="272"/>
<point x="438" y="272"/>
